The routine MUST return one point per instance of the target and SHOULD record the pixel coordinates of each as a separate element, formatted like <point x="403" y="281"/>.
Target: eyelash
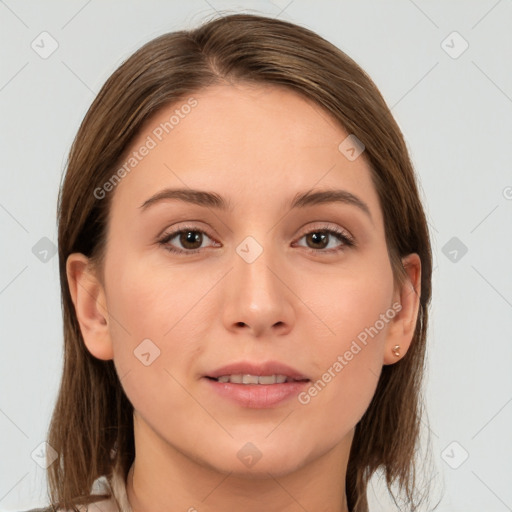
<point x="341" y="235"/>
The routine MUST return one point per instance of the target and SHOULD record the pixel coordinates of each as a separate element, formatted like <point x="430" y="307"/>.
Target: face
<point x="191" y="288"/>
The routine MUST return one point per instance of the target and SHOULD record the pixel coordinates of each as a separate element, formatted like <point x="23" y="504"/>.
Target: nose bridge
<point x="258" y="296"/>
<point x="255" y="267"/>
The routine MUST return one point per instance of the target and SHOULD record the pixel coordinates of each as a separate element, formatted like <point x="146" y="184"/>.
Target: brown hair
<point x="92" y="415"/>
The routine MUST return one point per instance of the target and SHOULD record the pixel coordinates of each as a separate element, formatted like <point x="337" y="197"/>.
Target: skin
<point x="257" y="146"/>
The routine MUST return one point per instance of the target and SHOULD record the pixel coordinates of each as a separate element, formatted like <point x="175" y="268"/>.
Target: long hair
<point x="92" y="424"/>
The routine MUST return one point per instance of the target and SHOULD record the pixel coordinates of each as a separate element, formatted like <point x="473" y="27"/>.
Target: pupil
<point x="321" y="237"/>
<point x="191" y="238"/>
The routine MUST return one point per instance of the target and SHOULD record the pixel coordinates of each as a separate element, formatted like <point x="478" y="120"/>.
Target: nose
<point x="259" y="294"/>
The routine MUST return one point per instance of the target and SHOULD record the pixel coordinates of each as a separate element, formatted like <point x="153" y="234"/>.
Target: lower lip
<point x="258" y="396"/>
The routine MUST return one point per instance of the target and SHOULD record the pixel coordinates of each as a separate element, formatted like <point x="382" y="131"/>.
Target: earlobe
<point x="88" y="298"/>
<point x="401" y="332"/>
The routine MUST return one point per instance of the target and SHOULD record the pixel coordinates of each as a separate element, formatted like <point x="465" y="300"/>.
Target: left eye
<point x="191" y="240"/>
<point x="187" y="236"/>
<point x="322" y="235"/>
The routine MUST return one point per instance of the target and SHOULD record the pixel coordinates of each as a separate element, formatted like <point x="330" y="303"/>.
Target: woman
<point x="246" y="272"/>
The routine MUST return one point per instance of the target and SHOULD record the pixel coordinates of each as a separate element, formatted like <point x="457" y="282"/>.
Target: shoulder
<point x="81" y="508"/>
<point x="106" y="499"/>
<point x="44" y="509"/>
<point x="99" y="506"/>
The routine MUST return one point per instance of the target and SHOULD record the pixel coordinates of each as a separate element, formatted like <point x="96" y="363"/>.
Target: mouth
<point x="247" y="372"/>
<point x="257" y="386"/>
<point x="247" y="378"/>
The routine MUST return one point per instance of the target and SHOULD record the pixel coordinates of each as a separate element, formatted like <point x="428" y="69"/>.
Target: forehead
<point x="227" y="138"/>
<point x="243" y="115"/>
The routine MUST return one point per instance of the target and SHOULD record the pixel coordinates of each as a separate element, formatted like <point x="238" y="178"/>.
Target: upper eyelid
<point x="319" y="225"/>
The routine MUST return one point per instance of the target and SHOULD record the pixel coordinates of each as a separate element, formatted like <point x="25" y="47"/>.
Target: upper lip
<point x="260" y="369"/>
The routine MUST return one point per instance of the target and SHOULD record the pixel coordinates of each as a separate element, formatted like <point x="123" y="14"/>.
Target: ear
<point x="402" y="327"/>
<point x="88" y="297"/>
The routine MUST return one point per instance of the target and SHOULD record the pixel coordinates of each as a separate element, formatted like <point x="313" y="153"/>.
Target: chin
<point x="249" y="462"/>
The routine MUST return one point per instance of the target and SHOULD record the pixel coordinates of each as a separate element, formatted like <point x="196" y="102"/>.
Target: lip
<point x="252" y="368"/>
<point x="257" y="396"/>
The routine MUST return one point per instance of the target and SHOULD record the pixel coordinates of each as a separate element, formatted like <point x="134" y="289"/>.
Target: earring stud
<point x="396" y="350"/>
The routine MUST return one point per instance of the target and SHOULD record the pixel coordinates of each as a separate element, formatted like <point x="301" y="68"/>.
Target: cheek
<point x="356" y="311"/>
<point x="154" y="320"/>
<point x="151" y="301"/>
<point x="351" y="299"/>
<point x="152" y="330"/>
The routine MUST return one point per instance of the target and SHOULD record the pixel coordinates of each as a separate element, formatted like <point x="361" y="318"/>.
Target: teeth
<point x="267" y="379"/>
<point x="250" y="379"/>
<point x="254" y="379"/>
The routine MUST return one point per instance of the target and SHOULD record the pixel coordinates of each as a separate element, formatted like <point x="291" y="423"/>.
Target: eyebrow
<point x="213" y="200"/>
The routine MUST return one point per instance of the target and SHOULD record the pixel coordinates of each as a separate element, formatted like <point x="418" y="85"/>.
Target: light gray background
<point x="456" y="117"/>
